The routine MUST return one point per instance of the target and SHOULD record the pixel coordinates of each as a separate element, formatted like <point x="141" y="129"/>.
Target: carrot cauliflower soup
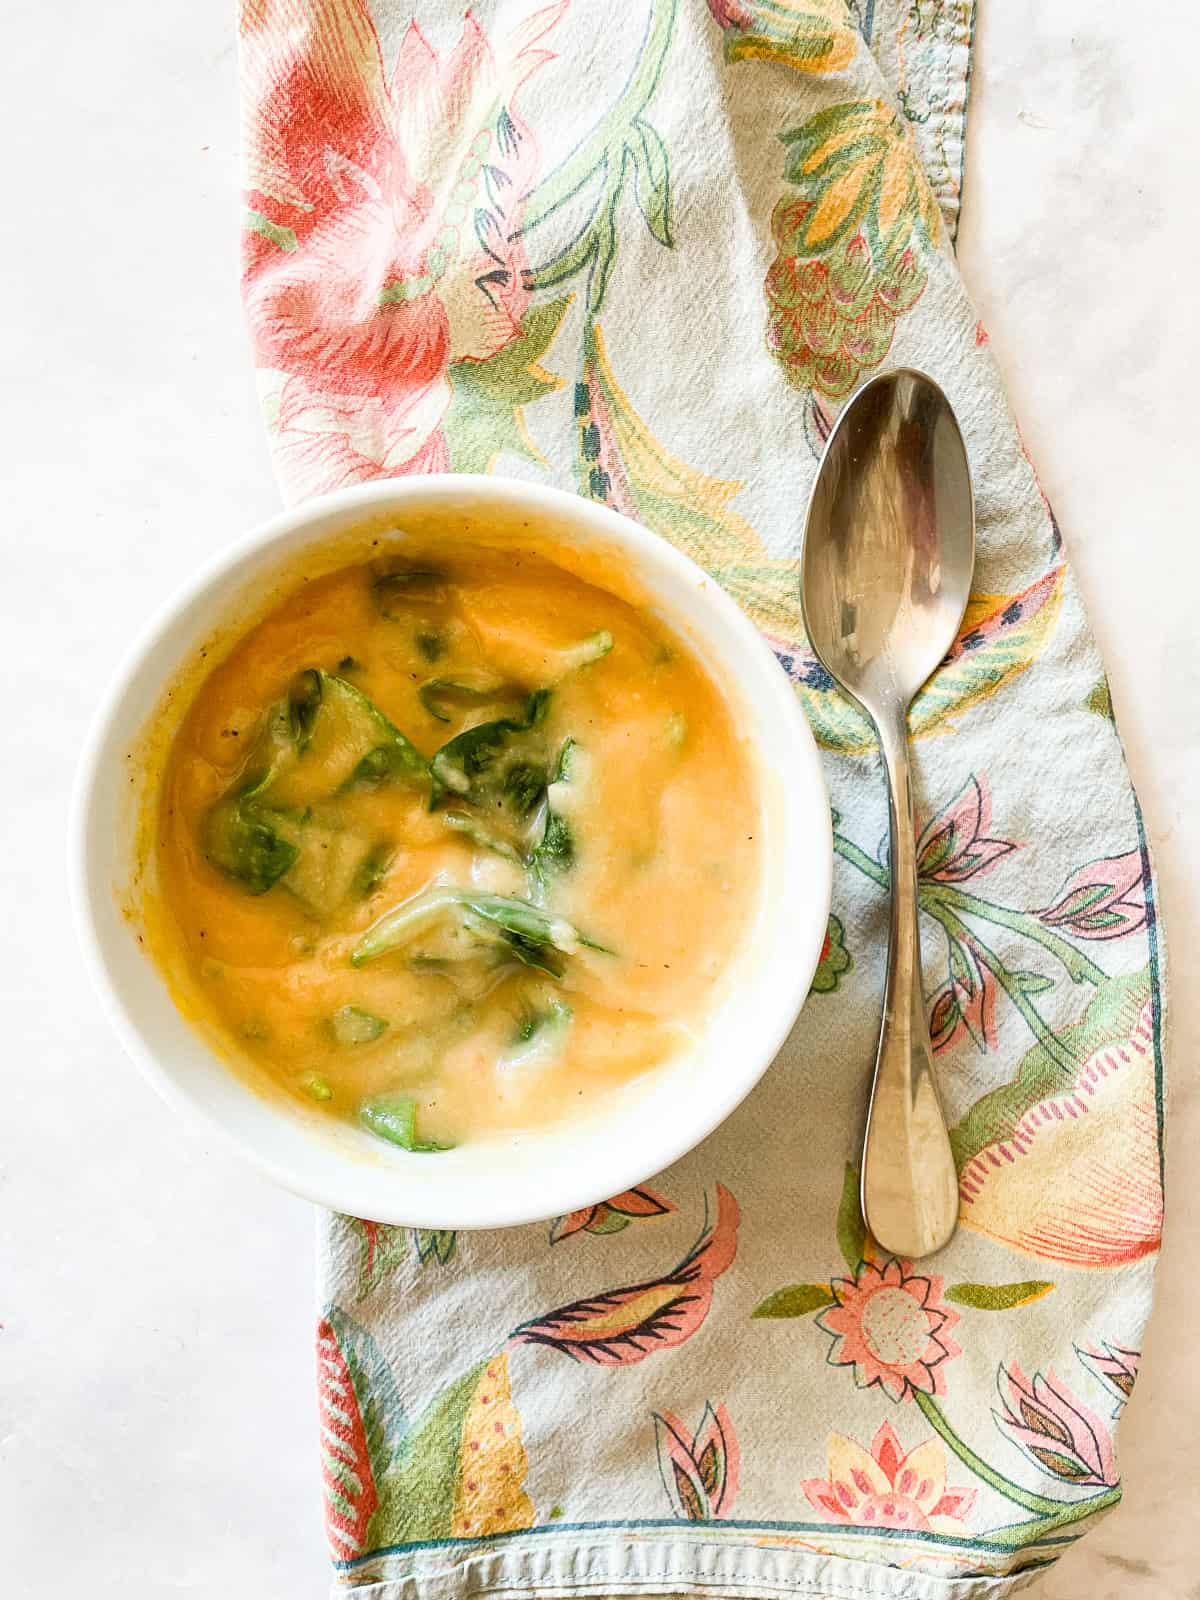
<point x="452" y="847"/>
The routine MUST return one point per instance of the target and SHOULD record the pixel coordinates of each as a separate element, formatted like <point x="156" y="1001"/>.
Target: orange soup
<point x="452" y="847"/>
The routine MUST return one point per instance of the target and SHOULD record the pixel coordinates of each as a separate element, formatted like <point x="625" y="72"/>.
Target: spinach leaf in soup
<point x="244" y="842"/>
<point x="398" y="589"/>
<point x="394" y="1118"/>
<point x="327" y="736"/>
<point x="329" y="860"/>
<point x="540" y="1034"/>
<point x="352" y="1025"/>
<point x="582" y="654"/>
<point x="500" y="769"/>
<point x="554" y="852"/>
<point x="448" y="698"/>
<point x="303" y="704"/>
<point x="279" y="824"/>
<point x="372" y="870"/>
<point x="353" y="744"/>
<point x="482" y="837"/>
<point x="522" y="932"/>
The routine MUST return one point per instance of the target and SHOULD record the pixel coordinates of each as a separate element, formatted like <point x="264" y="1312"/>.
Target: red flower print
<point x="892" y="1326"/>
<point x="362" y="1425"/>
<point x="887" y="1489"/>
<point x="382" y="241"/>
<point x="611" y="1216"/>
<point x="1103" y="900"/>
<point x="730" y="14"/>
<point x="1056" y="1429"/>
<point x="622" y="1326"/>
<point x="955" y="845"/>
<point x="700" y="1473"/>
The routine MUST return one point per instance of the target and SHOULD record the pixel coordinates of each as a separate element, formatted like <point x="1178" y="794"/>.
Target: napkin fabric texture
<point x="646" y="250"/>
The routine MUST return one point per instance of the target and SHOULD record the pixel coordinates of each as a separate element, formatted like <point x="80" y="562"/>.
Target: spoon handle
<point x="909" y="1182"/>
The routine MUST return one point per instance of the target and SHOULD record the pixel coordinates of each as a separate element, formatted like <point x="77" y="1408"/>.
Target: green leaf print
<point x="621" y="148"/>
<point x="381" y="1249"/>
<point x="795" y="1300"/>
<point x="460" y="1471"/>
<point x="417" y="1500"/>
<point x="998" y="1296"/>
<point x="285" y="238"/>
<point x="1099" y="700"/>
<point x="1110" y="1015"/>
<point x="485" y="418"/>
<point x="652" y="182"/>
<point x="835" y="960"/>
<point x="851" y="1229"/>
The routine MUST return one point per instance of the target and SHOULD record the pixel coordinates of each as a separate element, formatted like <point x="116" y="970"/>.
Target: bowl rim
<point x="643" y="548"/>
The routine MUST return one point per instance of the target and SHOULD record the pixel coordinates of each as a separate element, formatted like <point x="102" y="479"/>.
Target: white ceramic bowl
<point x="502" y="1181"/>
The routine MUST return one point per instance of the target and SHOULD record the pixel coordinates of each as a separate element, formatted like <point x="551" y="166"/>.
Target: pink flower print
<point x="887" y="1489"/>
<point x="618" y="1327"/>
<point x="955" y="845"/>
<point x="1115" y="1366"/>
<point x="892" y="1326"/>
<point x="611" y="1216"/>
<point x="1103" y="900"/>
<point x="966" y="1002"/>
<point x="700" y="1472"/>
<point x="1056" y="1429"/>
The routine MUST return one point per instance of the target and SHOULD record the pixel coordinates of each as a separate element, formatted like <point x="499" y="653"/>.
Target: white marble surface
<point x="156" y="1418"/>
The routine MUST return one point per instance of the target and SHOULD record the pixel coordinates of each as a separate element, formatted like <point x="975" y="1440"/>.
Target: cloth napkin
<point x="647" y="250"/>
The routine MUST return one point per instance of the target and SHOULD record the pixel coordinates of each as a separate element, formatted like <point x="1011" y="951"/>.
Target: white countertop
<point x="157" y="1421"/>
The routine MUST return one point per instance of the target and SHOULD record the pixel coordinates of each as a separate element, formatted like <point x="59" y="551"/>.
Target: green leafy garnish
<point x="328" y="861"/>
<point x="525" y="932"/>
<point x="243" y="841"/>
<point x="677" y="729"/>
<point x="481" y="835"/>
<point x="432" y="646"/>
<point x="372" y="870"/>
<point x="353" y="1025"/>
<point x="381" y="765"/>
<point x="325" y="736"/>
<point x="395" y="591"/>
<point x="524" y="786"/>
<point x="303" y="703"/>
<point x="275" y="825"/>
<point x="555" y="850"/>
<point x="567" y="757"/>
<point x="584" y="653"/>
<point x="540" y="1033"/>
<point x="499" y="769"/>
<point x="394" y="1118"/>
<point x="318" y="1086"/>
<point x="352" y="722"/>
<point x="531" y="1022"/>
<point x="443" y="696"/>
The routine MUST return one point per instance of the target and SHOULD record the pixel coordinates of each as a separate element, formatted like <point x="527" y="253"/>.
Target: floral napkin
<point x="647" y="250"/>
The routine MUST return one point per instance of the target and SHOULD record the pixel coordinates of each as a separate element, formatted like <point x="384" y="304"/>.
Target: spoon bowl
<point x="890" y="545"/>
<point x="889" y="552"/>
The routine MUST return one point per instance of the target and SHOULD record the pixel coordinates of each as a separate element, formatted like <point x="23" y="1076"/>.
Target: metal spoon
<point x="889" y="549"/>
